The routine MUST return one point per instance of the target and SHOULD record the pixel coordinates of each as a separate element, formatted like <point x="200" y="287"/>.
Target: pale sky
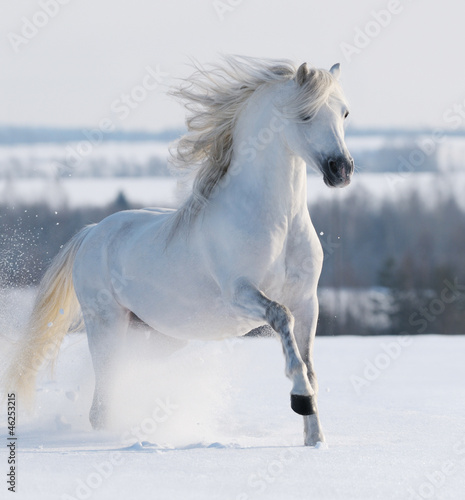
<point x="74" y="68"/>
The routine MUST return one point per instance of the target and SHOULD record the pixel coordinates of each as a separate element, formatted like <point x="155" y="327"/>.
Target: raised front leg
<point x="253" y="303"/>
<point x="306" y="314"/>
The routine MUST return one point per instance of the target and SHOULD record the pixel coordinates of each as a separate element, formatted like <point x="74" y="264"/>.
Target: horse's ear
<point x="336" y="70"/>
<point x="302" y="73"/>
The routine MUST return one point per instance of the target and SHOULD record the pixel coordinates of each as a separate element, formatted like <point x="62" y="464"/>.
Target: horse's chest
<point x="275" y="278"/>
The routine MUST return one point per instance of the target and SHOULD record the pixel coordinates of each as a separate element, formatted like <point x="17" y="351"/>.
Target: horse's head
<point x="317" y="112"/>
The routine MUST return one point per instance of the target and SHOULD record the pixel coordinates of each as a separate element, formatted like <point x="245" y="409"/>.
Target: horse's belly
<point x="213" y="327"/>
<point x="180" y="299"/>
<point x="204" y="317"/>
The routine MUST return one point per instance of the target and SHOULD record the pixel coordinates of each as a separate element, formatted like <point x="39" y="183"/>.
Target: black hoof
<point x="303" y="405"/>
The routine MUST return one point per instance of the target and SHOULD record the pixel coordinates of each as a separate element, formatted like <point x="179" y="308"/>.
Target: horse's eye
<point x="346" y="114"/>
<point x="306" y="119"/>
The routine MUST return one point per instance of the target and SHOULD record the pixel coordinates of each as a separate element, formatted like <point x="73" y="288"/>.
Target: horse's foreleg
<point x="256" y="305"/>
<point x="306" y="314"/>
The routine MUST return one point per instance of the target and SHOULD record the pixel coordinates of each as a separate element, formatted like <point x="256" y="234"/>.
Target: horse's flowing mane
<point x="214" y="97"/>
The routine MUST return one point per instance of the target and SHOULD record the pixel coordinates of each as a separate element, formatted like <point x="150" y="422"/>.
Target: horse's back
<point x="111" y="242"/>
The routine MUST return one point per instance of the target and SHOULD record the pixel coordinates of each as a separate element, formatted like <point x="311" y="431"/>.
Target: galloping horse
<point x="240" y="252"/>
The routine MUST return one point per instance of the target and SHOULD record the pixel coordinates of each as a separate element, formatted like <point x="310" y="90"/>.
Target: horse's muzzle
<point x="338" y="171"/>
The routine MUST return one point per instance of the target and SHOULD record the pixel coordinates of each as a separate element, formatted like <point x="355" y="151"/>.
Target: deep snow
<point x="213" y="422"/>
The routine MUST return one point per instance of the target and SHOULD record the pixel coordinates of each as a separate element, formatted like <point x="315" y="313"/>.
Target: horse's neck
<point x="263" y="167"/>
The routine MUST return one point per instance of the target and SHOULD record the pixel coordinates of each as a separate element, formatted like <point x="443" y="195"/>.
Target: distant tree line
<point x="10" y="135"/>
<point x="411" y="253"/>
<point x="31" y="235"/>
<point x="67" y="161"/>
<point x="94" y="166"/>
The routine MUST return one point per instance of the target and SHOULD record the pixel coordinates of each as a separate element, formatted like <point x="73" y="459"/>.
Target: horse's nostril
<point x="332" y="166"/>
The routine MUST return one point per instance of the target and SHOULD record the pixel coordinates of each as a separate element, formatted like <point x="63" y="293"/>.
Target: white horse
<point x="239" y="253"/>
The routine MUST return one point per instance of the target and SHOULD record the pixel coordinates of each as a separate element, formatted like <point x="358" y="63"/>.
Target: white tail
<point x="56" y="312"/>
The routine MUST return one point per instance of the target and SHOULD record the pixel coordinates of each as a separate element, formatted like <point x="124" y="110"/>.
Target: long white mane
<point x="214" y="97"/>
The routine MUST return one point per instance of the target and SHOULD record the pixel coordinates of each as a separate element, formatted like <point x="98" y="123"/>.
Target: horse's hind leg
<point x="105" y="330"/>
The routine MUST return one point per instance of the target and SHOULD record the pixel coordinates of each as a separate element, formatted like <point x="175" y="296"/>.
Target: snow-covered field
<point x="213" y="422"/>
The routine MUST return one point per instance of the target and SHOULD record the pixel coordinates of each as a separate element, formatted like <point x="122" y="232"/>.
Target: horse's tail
<point x="56" y="311"/>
